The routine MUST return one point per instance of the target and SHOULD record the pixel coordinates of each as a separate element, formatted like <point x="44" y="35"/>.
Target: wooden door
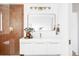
<point x="16" y="18"/>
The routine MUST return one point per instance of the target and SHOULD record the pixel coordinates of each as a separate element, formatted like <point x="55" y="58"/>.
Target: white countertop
<point x="41" y="40"/>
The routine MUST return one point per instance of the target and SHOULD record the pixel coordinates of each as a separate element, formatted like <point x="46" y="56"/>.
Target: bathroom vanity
<point x="45" y="45"/>
<point x="40" y="47"/>
<point x="52" y="25"/>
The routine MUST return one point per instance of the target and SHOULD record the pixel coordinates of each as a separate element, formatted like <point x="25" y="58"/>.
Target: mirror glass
<point x="0" y="21"/>
<point x="40" y="21"/>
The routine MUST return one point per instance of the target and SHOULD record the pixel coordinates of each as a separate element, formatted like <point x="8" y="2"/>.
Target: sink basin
<point x="42" y="40"/>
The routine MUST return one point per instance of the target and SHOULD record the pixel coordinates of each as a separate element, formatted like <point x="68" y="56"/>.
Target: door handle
<point x="69" y="42"/>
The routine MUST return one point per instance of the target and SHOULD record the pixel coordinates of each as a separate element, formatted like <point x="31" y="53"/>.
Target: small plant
<point x="29" y="29"/>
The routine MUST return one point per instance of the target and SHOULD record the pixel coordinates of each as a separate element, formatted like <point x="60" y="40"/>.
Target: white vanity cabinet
<point x="33" y="48"/>
<point x="40" y="47"/>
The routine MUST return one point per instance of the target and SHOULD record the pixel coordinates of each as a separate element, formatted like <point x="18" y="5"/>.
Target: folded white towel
<point x="6" y="42"/>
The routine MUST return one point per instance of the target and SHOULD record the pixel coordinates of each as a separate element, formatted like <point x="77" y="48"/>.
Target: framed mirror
<point x="0" y="21"/>
<point x="44" y="21"/>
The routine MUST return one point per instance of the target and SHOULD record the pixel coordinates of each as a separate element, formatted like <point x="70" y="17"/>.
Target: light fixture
<point x="40" y="8"/>
<point x="31" y="7"/>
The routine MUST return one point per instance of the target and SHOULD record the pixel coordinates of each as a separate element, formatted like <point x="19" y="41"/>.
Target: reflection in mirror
<point x="41" y="20"/>
<point x="0" y="21"/>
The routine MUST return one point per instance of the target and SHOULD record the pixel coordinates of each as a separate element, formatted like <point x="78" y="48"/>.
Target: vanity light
<point x="49" y="7"/>
<point x="35" y="7"/>
<point x="31" y="7"/>
<point x="44" y="7"/>
<point x="40" y="8"/>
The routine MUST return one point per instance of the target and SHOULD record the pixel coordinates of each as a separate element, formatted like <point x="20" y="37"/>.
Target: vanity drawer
<point x="40" y="48"/>
<point x="54" y="49"/>
<point x="33" y="49"/>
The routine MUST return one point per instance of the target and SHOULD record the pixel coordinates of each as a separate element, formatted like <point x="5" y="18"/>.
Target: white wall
<point x="75" y="8"/>
<point x="74" y="32"/>
<point x="64" y="16"/>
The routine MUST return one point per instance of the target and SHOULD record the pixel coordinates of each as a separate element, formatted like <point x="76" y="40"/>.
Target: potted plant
<point x="28" y="32"/>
